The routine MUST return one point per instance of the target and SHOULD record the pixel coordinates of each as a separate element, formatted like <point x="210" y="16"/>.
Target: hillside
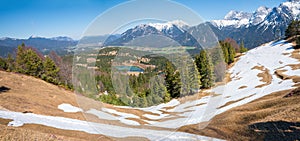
<point x="260" y="77"/>
<point x="269" y="118"/>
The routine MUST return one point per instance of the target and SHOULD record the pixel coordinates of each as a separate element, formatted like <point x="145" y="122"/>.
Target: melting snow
<point x="97" y="128"/>
<point x="68" y="108"/>
<point x="270" y="56"/>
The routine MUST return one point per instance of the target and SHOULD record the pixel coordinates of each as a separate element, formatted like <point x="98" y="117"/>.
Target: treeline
<point x="31" y="62"/>
<point x="293" y="30"/>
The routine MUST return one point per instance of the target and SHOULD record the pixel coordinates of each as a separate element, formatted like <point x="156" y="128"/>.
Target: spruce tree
<point x="205" y="69"/>
<point x="172" y="79"/>
<point x="3" y="64"/>
<point x="293" y="29"/>
<point x="231" y="54"/>
<point x="10" y="63"/>
<point x="242" y="47"/>
<point x="50" y="73"/>
<point x="33" y="63"/>
<point x="20" y="60"/>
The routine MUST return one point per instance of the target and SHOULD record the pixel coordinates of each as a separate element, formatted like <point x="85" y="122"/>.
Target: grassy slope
<point x="234" y="124"/>
<point x="28" y="94"/>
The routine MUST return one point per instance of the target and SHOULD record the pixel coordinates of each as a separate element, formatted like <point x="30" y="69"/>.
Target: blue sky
<point x="50" y="18"/>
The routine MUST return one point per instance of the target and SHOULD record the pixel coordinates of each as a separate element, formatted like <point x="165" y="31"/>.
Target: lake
<point x="129" y="68"/>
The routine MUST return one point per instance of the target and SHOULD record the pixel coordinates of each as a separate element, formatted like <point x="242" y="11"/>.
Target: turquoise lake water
<point x="129" y="68"/>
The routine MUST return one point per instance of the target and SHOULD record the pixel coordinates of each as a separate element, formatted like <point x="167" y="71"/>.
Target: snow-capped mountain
<point x="285" y="11"/>
<point x="259" y="15"/>
<point x="62" y="38"/>
<point x="263" y="25"/>
<point x="233" y="19"/>
<point x="169" y="25"/>
<point x="176" y="30"/>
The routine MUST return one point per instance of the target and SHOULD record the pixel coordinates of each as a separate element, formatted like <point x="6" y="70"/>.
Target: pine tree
<point x="33" y="63"/>
<point x="172" y="79"/>
<point x="205" y="69"/>
<point x="20" y="59"/>
<point x="10" y="63"/>
<point x="158" y="91"/>
<point x="242" y="47"/>
<point x="298" y="42"/>
<point x="190" y="78"/>
<point x="293" y="29"/>
<point x="50" y="73"/>
<point x="231" y="54"/>
<point x="225" y="51"/>
<point x="3" y="64"/>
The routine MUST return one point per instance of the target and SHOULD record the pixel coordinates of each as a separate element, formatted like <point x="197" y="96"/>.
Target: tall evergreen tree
<point x="190" y="78"/>
<point x="10" y="63"/>
<point x="20" y="59"/>
<point x="172" y="79"/>
<point x="293" y="29"/>
<point x="205" y="69"/>
<point x="242" y="47"/>
<point x="3" y="64"/>
<point x="231" y="54"/>
<point x="50" y="73"/>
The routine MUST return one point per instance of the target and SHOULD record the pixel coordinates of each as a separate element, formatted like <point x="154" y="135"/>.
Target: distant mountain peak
<point x="237" y="15"/>
<point x="167" y="25"/>
<point x="62" y="38"/>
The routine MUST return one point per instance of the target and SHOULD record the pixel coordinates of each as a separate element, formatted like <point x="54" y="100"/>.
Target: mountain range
<point x="44" y="45"/>
<point x="263" y="25"/>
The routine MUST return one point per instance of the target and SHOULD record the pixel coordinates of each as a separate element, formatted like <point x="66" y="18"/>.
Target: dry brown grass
<point x="243" y="87"/>
<point x="235" y="101"/>
<point x="280" y="74"/>
<point x="28" y="94"/>
<point x="233" y="124"/>
<point x="36" y="132"/>
<point x="265" y="76"/>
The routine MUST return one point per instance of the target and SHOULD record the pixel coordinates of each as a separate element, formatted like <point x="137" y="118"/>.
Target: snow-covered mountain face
<point x="62" y="38"/>
<point x="234" y="19"/>
<point x="284" y="12"/>
<point x="176" y="30"/>
<point x="261" y="26"/>
<point x="259" y="15"/>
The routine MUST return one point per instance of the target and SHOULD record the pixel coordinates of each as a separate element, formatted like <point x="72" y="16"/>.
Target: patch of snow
<point x="270" y="56"/>
<point x="68" y="108"/>
<point x="98" y="128"/>
<point x="290" y="72"/>
<point x="123" y="116"/>
<point x="128" y="122"/>
<point x="126" y="115"/>
<point x="154" y="117"/>
<point x="15" y="123"/>
<point x="101" y="115"/>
